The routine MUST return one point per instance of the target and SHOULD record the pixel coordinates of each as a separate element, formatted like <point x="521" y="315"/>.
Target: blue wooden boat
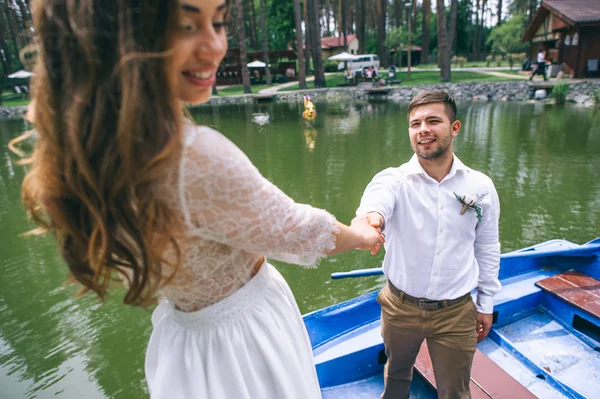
<point x="545" y="340"/>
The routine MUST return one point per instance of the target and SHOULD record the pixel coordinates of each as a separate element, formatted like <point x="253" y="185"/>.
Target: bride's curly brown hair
<point x="109" y="131"/>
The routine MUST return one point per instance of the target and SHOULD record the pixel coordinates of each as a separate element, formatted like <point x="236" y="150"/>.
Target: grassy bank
<point x="417" y="78"/>
<point x="10" y="99"/>
<point x="332" y="80"/>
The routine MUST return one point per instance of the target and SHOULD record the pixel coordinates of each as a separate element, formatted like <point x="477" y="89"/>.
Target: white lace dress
<point x="221" y="333"/>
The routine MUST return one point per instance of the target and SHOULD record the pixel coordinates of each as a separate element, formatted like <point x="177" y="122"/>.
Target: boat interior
<point x="545" y="341"/>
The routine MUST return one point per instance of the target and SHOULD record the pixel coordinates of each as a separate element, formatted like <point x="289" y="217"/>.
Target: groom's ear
<point x="455" y="128"/>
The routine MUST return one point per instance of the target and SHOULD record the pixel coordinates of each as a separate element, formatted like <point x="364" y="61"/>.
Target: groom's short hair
<point x="434" y="96"/>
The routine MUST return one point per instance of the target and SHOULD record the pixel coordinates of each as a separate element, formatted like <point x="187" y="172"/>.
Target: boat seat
<point x="488" y="380"/>
<point x="575" y="288"/>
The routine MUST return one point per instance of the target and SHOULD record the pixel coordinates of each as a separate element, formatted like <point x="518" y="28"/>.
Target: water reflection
<point x="310" y="135"/>
<point x="261" y="119"/>
<point x="543" y="160"/>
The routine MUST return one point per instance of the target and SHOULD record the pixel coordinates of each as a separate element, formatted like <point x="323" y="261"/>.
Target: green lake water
<point x="543" y="159"/>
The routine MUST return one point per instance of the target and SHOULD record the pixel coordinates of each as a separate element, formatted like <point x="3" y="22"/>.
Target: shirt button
<point x="441" y="207"/>
<point x="441" y="229"/>
<point x="438" y="251"/>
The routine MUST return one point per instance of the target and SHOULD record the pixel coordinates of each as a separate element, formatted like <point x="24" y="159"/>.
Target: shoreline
<point x="580" y="93"/>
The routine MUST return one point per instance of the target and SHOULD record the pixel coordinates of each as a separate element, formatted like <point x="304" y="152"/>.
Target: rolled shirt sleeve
<point x="379" y="196"/>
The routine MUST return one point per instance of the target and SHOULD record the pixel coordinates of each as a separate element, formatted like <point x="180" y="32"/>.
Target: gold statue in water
<point x="310" y="113"/>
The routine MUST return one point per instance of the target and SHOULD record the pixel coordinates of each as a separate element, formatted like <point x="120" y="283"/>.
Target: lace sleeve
<point x="226" y="199"/>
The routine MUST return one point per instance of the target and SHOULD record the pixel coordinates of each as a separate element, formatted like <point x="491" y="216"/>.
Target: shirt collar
<point x="413" y="167"/>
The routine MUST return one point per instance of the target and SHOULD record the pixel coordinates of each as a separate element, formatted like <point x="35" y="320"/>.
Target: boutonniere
<point x="472" y="201"/>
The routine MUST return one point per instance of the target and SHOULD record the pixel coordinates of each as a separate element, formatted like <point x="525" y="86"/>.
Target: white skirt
<point x="252" y="344"/>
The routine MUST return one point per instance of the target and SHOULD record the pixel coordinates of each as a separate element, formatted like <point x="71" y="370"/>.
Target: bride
<point x="130" y="187"/>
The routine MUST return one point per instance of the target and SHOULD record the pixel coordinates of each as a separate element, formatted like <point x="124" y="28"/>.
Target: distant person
<point x="348" y="73"/>
<point x="392" y="72"/>
<point x="132" y="188"/>
<point x="541" y="65"/>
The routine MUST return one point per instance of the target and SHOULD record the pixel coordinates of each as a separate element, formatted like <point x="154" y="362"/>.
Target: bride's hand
<point x="372" y="237"/>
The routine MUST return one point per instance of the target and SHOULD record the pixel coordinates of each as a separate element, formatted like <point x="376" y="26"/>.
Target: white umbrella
<point x="342" y="57"/>
<point x="257" y="64"/>
<point x="21" y="75"/>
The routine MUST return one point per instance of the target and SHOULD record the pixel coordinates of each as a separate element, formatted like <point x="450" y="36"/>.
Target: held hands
<point x="484" y="324"/>
<point x="369" y="226"/>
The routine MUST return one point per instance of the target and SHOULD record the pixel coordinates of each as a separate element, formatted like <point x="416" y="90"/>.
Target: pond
<point x="543" y="159"/>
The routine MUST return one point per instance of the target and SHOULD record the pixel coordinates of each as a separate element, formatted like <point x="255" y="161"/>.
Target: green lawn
<point x="10" y="99"/>
<point x="15" y="103"/>
<point x="417" y="78"/>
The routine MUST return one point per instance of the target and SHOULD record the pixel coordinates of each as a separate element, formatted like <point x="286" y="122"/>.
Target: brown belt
<point x="426" y="304"/>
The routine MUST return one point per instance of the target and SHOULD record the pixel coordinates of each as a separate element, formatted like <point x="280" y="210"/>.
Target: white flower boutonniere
<point x="472" y="201"/>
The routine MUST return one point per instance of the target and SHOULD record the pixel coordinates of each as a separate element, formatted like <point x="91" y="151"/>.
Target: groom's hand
<point x="484" y="324"/>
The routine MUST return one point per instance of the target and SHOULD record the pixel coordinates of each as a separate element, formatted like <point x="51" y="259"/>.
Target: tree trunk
<point x="214" y="89"/>
<point x="381" y="32"/>
<point x="476" y="33"/>
<point x="499" y="13"/>
<point x="243" y="50"/>
<point x="414" y="16"/>
<point x="307" y="39"/>
<point x="396" y="13"/>
<point x="425" y="32"/>
<point x="300" y="49"/>
<point x="327" y="18"/>
<point x="265" y="42"/>
<point x="4" y="55"/>
<point x="253" y="35"/>
<point x="339" y="17"/>
<point x="481" y="44"/>
<point x="315" y="35"/>
<point x="25" y="10"/>
<point x="352" y="18"/>
<point x="444" y="54"/>
<point x="360" y="26"/>
<point x="482" y="30"/>
<point x="12" y="31"/>
<point x="344" y="25"/>
<point x="452" y="28"/>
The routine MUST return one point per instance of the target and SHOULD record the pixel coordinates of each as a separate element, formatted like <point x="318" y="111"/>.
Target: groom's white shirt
<point x="432" y="251"/>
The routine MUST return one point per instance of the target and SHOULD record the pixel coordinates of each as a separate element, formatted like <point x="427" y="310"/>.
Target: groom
<point x="440" y="219"/>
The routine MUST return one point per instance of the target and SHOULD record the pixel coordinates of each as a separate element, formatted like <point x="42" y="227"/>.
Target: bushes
<point x="597" y="98"/>
<point x="559" y="93"/>
<point x="459" y="61"/>
<point x="331" y="66"/>
<point x="513" y="58"/>
<point x="498" y="59"/>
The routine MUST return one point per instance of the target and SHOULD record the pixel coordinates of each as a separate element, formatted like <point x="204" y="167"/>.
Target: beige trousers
<point x="451" y="338"/>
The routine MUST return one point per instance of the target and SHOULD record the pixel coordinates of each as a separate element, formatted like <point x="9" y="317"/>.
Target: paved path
<point x="505" y="75"/>
<point x="473" y="69"/>
<point x="274" y="89"/>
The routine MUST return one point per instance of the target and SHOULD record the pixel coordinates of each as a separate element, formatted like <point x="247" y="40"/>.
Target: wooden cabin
<point x="569" y="30"/>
